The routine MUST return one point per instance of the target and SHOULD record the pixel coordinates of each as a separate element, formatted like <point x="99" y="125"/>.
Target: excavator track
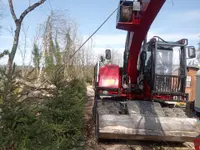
<point x="143" y="120"/>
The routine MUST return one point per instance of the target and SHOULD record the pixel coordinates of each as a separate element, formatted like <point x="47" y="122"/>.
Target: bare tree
<point x="62" y="28"/>
<point x="36" y="57"/>
<point x="89" y="56"/>
<point x="59" y="34"/>
<point x="116" y="57"/>
<point x="18" y="24"/>
<point x="23" y="50"/>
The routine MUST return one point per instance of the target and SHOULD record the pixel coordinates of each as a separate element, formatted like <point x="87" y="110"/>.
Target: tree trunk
<point x="14" y="49"/>
<point x="40" y="70"/>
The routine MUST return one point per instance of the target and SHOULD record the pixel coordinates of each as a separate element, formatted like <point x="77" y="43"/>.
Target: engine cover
<point x="109" y="76"/>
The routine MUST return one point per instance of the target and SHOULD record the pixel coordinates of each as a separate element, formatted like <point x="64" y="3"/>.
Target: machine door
<point x="168" y="77"/>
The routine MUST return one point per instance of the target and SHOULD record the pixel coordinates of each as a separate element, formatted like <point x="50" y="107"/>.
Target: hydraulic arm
<point x="137" y="27"/>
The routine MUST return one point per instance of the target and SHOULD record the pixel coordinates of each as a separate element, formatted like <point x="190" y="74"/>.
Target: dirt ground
<point x="91" y="143"/>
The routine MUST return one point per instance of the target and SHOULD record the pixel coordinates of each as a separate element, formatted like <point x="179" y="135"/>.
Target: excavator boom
<point x="137" y="32"/>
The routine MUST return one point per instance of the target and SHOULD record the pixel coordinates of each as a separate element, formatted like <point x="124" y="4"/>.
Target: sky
<point x="177" y="19"/>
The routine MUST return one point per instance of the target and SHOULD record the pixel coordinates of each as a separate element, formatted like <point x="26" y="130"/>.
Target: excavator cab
<point x="165" y="69"/>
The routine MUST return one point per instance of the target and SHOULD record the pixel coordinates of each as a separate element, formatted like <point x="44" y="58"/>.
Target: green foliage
<point x="36" y="56"/>
<point x="16" y="126"/>
<point x="5" y="52"/>
<point x="68" y="42"/>
<point x="49" y="61"/>
<point x="53" y="59"/>
<point x="54" y="67"/>
<point x="8" y="85"/>
<point x="89" y="74"/>
<point x="57" y="77"/>
<point x="57" y="53"/>
<point x="89" y="79"/>
<point x="59" y="125"/>
<point x="51" y="52"/>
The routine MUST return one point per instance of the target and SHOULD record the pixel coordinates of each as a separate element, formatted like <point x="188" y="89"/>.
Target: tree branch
<point x="18" y="23"/>
<point x="5" y="52"/>
<point x="29" y="9"/>
<point x="12" y="11"/>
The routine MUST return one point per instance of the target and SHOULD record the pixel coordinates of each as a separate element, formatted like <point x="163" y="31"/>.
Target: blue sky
<point x="175" y="21"/>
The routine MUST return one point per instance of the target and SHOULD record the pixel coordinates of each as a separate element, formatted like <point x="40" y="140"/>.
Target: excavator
<point x="145" y="99"/>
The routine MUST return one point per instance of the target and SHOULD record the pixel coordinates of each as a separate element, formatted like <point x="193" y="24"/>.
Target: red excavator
<point x="145" y="98"/>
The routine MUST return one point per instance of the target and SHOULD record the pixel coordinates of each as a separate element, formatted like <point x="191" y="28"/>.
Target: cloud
<point x="5" y="42"/>
<point x="191" y="15"/>
<point x="174" y="36"/>
<point x="117" y="54"/>
<point x="118" y="40"/>
<point x="100" y="51"/>
<point x="4" y="60"/>
<point x="182" y="16"/>
<point x="109" y="40"/>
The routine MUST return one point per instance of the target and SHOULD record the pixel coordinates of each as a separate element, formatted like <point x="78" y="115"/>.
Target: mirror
<point x="108" y="54"/>
<point x="191" y="52"/>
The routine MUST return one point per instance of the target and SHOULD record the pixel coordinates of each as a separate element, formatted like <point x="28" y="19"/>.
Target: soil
<point x="92" y="144"/>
